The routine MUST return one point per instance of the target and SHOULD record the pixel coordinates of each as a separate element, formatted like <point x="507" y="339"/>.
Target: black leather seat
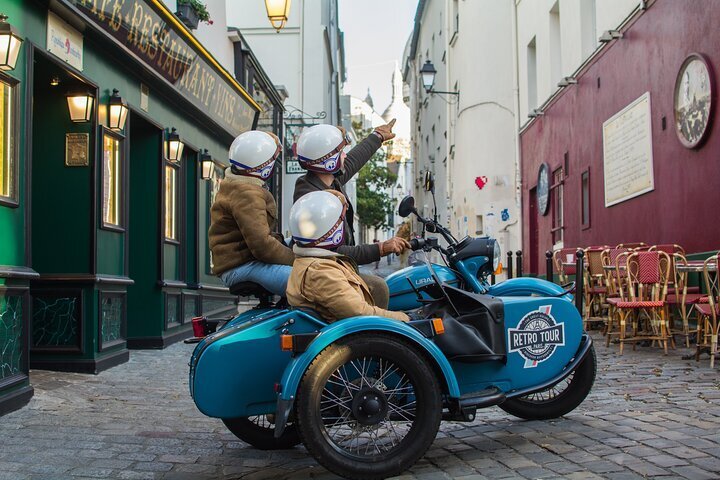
<point x="252" y="289"/>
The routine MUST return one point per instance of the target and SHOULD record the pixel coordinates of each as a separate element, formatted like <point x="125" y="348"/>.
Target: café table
<point x="697" y="266"/>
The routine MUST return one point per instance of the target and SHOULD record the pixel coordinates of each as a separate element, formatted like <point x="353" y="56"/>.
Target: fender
<point x="335" y="331"/>
<point x="526" y="286"/>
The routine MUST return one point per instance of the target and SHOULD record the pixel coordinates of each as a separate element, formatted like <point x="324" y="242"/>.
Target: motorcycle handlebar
<point x="417" y="244"/>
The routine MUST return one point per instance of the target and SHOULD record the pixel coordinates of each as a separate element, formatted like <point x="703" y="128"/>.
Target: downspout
<point x="516" y="101"/>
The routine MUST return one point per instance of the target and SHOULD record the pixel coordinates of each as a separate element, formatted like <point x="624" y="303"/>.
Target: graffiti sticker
<point x="537" y="336"/>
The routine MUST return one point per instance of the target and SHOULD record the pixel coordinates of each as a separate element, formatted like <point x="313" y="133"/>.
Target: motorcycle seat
<point x="252" y="289"/>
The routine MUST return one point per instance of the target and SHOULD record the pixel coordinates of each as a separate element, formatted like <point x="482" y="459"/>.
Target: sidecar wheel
<point x="559" y="399"/>
<point x="368" y="407"/>
<point x="259" y="432"/>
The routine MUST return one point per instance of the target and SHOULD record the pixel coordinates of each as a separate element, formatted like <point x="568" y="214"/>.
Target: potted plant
<point x="191" y="12"/>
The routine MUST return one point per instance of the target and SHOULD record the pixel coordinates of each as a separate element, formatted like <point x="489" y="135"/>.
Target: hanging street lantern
<point x="206" y="165"/>
<point x="10" y="43"/>
<point x="80" y="106"/>
<point x="278" y="12"/>
<point x="428" y="75"/>
<point x="117" y="111"/>
<point x="174" y="146"/>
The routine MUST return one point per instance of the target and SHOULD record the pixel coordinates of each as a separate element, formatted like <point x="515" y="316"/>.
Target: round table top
<point x="695" y="266"/>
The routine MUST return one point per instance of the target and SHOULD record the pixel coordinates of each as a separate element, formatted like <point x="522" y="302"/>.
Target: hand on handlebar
<point x="395" y="245"/>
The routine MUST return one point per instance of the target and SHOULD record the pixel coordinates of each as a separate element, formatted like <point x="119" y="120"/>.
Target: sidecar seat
<point x="252" y="289"/>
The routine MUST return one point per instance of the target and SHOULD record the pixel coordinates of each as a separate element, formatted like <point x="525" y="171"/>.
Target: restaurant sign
<point x="146" y="28"/>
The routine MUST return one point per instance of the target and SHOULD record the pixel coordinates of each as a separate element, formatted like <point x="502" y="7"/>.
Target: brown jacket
<point x="331" y="286"/>
<point x="354" y="161"/>
<point x="242" y="221"/>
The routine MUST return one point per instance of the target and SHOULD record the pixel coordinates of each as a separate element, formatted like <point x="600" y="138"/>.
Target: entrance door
<point x="533" y="231"/>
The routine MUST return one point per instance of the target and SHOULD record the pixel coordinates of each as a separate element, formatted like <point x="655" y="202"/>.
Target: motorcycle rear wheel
<point x="260" y="433"/>
<point x="558" y="400"/>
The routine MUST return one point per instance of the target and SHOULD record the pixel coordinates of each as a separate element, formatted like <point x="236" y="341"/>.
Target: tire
<point x="408" y="407"/>
<point x="260" y="433"/>
<point x="561" y="398"/>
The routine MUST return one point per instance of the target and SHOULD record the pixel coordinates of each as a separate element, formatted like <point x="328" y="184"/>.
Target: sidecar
<point x="367" y="394"/>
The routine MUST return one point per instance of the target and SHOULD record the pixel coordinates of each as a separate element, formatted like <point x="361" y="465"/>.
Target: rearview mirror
<point x="407" y="206"/>
<point x="429" y="182"/>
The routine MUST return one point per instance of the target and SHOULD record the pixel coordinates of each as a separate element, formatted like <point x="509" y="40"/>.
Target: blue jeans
<point x="271" y="276"/>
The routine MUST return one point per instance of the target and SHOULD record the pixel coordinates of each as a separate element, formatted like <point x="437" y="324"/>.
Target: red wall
<point x="684" y="208"/>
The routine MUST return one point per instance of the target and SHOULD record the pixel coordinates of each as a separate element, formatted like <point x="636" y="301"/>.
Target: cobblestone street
<point x="648" y="416"/>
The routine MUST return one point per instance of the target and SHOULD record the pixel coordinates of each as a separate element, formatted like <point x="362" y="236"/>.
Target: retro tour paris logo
<point x="537" y="336"/>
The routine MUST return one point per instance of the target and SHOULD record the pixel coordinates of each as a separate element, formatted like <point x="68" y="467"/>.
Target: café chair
<point x="683" y="297"/>
<point x="708" y="309"/>
<point x="564" y="263"/>
<point x="595" y="288"/>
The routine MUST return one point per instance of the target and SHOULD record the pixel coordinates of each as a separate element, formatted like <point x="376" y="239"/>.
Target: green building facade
<point x="103" y="244"/>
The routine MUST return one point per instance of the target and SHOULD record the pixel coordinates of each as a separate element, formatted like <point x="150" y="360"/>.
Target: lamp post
<point x="80" y="106"/>
<point x="206" y="165"/>
<point x="10" y="43"/>
<point x="174" y="146"/>
<point x="278" y="12"/>
<point x="427" y="72"/>
<point x="117" y="111"/>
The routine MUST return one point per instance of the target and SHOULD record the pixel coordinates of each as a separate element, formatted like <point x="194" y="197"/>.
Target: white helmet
<point x="319" y="148"/>
<point x="254" y="153"/>
<point x="317" y="219"/>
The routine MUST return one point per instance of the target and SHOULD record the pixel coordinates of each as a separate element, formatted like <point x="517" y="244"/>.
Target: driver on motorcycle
<point x="243" y="218"/>
<point x="322" y="278"/>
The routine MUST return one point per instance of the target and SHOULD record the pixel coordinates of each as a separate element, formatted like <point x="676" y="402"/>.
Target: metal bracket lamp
<point x="117" y="111"/>
<point x="80" y="105"/>
<point x="174" y="146"/>
<point x="536" y="113"/>
<point x="10" y="43"/>
<point x="278" y="12"/>
<point x="206" y="165"/>
<point x="427" y="72"/>
<point x="609" y="36"/>
<point x="567" y="81"/>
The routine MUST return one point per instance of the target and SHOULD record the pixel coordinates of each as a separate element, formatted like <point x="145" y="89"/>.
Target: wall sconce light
<point x="80" y="106"/>
<point x="10" y="43"/>
<point x="609" y="35"/>
<point x="117" y="111"/>
<point x="278" y="12"/>
<point x="206" y="165"/>
<point x="427" y="72"/>
<point x="174" y="146"/>
<point x="566" y="81"/>
<point x="536" y="113"/>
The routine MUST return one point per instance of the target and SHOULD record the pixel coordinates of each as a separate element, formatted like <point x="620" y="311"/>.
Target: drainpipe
<point x="516" y="101"/>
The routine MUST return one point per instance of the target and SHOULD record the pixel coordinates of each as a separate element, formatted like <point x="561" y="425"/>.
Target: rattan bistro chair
<point x="708" y="309"/>
<point x="633" y="245"/>
<point x="595" y="286"/>
<point x="683" y="297"/>
<point x="564" y="263"/>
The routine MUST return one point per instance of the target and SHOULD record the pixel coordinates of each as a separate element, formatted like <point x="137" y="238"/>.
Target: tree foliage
<point x="374" y="204"/>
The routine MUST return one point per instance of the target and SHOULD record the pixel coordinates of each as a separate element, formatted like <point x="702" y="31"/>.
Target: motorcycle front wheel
<point x="369" y="407"/>
<point x="561" y="398"/>
<point x="259" y="432"/>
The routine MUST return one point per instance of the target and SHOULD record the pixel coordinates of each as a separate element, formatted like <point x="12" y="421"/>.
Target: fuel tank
<point x="402" y="296"/>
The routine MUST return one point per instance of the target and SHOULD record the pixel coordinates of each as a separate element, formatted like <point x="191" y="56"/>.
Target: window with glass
<point x="585" y="188"/>
<point x="557" y="206"/>
<point x="8" y="176"/>
<point x="112" y="181"/>
<point x="171" y="204"/>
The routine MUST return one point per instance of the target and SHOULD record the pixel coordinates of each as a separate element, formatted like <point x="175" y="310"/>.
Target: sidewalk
<point x="648" y="416"/>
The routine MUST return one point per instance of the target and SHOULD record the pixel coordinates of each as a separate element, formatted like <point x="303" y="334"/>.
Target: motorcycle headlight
<point x="496" y="256"/>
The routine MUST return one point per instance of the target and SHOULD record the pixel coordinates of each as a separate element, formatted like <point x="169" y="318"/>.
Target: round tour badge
<point x="537" y="336"/>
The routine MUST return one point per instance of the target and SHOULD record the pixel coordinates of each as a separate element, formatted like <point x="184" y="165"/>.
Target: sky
<point x="375" y="35"/>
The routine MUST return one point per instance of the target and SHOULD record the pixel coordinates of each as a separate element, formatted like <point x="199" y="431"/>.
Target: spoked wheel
<point x="561" y="398"/>
<point x="259" y="431"/>
<point x="369" y="407"/>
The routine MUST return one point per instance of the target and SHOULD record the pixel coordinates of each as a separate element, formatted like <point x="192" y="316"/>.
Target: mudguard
<point x="527" y="286"/>
<point x="296" y="368"/>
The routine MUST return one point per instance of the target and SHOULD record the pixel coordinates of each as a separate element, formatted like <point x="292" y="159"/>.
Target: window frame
<point x="122" y="217"/>
<point x="13" y="200"/>
<point x="557" y="189"/>
<point x="177" y="168"/>
<point x="585" y="223"/>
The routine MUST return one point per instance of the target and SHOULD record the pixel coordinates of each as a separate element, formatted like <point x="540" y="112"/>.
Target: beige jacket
<point x="329" y="283"/>
<point x="243" y="219"/>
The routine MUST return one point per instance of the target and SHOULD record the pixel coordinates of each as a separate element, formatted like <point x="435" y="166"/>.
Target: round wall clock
<point x="543" y="189"/>
<point x="694" y="91"/>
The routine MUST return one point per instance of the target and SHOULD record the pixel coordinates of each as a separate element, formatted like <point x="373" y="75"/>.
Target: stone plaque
<point x="76" y="149"/>
<point x="627" y="152"/>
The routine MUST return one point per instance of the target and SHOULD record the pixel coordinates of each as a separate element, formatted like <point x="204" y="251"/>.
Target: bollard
<point x="509" y="266"/>
<point x="518" y="264"/>
<point x="549" y="266"/>
<point x="579" y="269"/>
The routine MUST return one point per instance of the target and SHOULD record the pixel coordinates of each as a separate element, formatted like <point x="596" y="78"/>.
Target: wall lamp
<point x="427" y="72"/>
<point x="566" y="81"/>
<point x="609" y="36"/>
<point x="206" y="165"/>
<point x="174" y="146"/>
<point x="117" y="111"/>
<point x="80" y="105"/>
<point x="10" y="42"/>
<point x="536" y="113"/>
<point x="278" y="12"/>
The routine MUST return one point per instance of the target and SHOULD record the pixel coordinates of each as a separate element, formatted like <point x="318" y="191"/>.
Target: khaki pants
<point x="378" y="289"/>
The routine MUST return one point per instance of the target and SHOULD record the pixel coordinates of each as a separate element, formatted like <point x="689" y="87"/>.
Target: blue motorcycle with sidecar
<point x="366" y="395"/>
